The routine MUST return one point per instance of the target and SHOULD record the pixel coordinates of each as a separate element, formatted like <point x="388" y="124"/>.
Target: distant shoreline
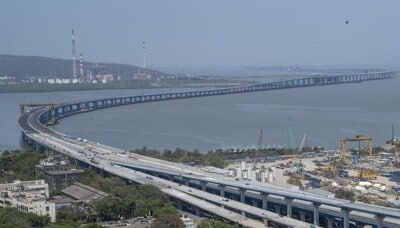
<point x="132" y="84"/>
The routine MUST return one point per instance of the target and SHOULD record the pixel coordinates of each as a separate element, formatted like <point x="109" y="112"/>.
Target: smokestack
<point x="74" y="75"/>
<point x="144" y="55"/>
<point x="81" y="64"/>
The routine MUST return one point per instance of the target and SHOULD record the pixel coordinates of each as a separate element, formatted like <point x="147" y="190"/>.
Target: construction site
<point x="356" y="171"/>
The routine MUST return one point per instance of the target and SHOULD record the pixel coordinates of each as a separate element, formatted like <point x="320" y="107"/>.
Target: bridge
<point x="247" y="203"/>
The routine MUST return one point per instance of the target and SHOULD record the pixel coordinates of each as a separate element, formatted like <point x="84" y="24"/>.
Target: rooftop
<point x="83" y="193"/>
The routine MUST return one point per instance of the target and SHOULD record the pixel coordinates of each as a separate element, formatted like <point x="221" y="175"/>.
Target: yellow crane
<point x="363" y="173"/>
<point x="359" y="139"/>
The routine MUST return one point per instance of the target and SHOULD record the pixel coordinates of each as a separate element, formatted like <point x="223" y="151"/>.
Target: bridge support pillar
<point x="242" y="193"/>
<point x="171" y="178"/>
<point x="186" y="180"/>
<point x="255" y="204"/>
<point x="197" y="211"/>
<point x="264" y="197"/>
<point x="302" y="216"/>
<point x="379" y="219"/>
<point x="278" y="209"/>
<point x="330" y="222"/>
<point x="222" y="190"/>
<point x="203" y="186"/>
<point x="180" y="205"/>
<point x="289" y="207"/>
<point x="345" y="214"/>
<point x="316" y="213"/>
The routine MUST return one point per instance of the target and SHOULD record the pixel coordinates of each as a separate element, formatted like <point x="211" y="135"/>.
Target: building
<point x="142" y="76"/>
<point x="57" y="173"/>
<point x="188" y="222"/>
<point x="139" y="222"/>
<point x="252" y="173"/>
<point x="82" y="193"/>
<point x="104" y="78"/>
<point x="28" y="196"/>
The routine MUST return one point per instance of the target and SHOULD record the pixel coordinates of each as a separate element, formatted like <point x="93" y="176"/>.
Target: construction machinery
<point x="367" y="174"/>
<point x="396" y="160"/>
<point x="359" y="139"/>
<point x="299" y="164"/>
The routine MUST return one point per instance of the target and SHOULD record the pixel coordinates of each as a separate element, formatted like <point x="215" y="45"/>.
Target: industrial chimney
<point x="81" y="65"/>
<point x="74" y="74"/>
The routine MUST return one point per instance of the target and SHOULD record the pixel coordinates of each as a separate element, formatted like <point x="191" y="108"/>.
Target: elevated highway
<point x="263" y="204"/>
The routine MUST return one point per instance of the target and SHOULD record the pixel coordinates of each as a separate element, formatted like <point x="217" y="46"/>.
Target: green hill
<point x="36" y="66"/>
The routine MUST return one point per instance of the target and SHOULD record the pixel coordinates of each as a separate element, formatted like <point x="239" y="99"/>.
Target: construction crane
<point x="396" y="160"/>
<point x="299" y="150"/>
<point x="260" y="140"/>
<point x="302" y="144"/>
<point x="359" y="139"/>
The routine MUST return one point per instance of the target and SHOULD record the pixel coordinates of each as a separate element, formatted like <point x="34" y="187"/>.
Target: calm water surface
<point x="323" y="113"/>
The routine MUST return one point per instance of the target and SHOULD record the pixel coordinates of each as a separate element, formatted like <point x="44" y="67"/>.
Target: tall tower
<point x="81" y="65"/>
<point x="144" y="54"/>
<point x="74" y="74"/>
<point x="260" y="139"/>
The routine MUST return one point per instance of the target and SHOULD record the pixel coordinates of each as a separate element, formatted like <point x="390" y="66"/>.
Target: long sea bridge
<point x="247" y="203"/>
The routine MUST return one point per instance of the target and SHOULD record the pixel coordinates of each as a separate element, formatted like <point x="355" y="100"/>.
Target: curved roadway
<point x="115" y="161"/>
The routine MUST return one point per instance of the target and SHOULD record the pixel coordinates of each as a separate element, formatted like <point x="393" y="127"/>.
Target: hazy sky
<point x="206" y="32"/>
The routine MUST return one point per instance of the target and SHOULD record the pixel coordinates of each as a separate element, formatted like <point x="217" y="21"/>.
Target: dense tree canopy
<point x="345" y="194"/>
<point x="128" y="201"/>
<point x="185" y="156"/>
<point x="18" y="165"/>
<point x="12" y="218"/>
<point x="211" y="223"/>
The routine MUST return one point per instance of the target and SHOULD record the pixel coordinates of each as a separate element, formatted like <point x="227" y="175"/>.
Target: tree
<point x="19" y="165"/>
<point x="345" y="194"/>
<point x="168" y="221"/>
<point x="295" y="181"/>
<point x="109" y="208"/>
<point x="38" y="221"/>
<point x="11" y="217"/>
<point x="166" y="209"/>
<point x="65" y="224"/>
<point x="74" y="214"/>
<point x="212" y="223"/>
<point x="92" y="225"/>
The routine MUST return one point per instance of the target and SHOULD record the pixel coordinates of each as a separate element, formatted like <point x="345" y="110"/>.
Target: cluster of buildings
<point x="57" y="173"/>
<point x="7" y="80"/>
<point x="251" y="172"/>
<point x="100" y="78"/>
<point x="34" y="196"/>
<point x="28" y="196"/>
<point x="61" y="188"/>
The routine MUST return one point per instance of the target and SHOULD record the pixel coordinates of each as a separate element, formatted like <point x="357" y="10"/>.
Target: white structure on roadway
<point x="28" y="196"/>
<point x="252" y="173"/>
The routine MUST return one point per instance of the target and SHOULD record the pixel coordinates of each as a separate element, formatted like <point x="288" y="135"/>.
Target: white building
<point x="188" y="222"/>
<point x="253" y="173"/>
<point x="28" y="196"/>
